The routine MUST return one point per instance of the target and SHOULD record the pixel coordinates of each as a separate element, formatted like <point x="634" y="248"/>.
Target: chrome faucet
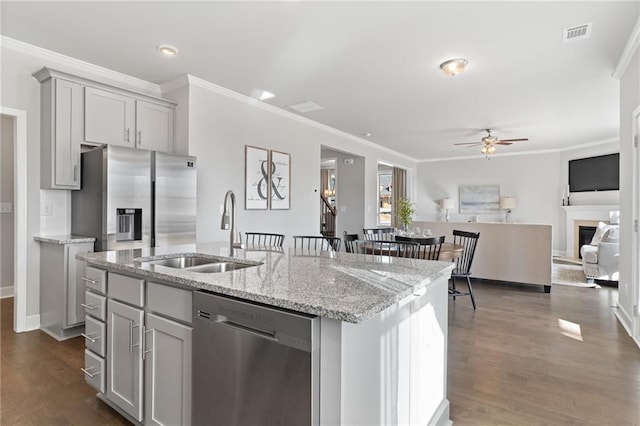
<point x="225" y="221"/>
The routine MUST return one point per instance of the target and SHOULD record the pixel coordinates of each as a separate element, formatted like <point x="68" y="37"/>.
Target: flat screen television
<point x="601" y="173"/>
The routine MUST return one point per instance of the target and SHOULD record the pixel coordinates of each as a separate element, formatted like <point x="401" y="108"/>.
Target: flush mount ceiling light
<point x="167" y="50"/>
<point x="266" y="95"/>
<point x="453" y="66"/>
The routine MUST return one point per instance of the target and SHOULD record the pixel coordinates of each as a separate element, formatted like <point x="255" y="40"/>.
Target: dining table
<point x="448" y="251"/>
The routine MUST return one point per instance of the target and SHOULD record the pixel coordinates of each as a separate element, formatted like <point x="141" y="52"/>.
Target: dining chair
<point x="406" y="249"/>
<point x="263" y="239"/>
<point x="469" y="241"/>
<point x="378" y="233"/>
<point x="429" y="246"/>
<point x="316" y="242"/>
<point x="349" y="241"/>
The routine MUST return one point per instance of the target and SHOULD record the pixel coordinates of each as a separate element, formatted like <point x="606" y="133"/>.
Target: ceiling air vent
<point x="306" y="107"/>
<point x="580" y="32"/>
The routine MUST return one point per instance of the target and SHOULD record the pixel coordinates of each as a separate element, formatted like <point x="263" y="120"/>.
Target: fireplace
<point x="582" y="216"/>
<point x="585" y="235"/>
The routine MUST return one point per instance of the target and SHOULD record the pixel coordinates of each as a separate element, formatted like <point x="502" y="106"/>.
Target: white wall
<point x="6" y="196"/>
<point x="538" y="181"/>
<point x="350" y="189"/>
<point x="222" y="123"/>
<point x="629" y="101"/>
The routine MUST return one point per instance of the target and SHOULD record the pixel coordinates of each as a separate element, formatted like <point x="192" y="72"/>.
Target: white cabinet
<point x="124" y="357"/>
<point x="117" y="119"/>
<point x="167" y="372"/>
<point x="109" y="117"/>
<point x="154" y="126"/>
<point x="61" y="132"/>
<point x="62" y="291"/>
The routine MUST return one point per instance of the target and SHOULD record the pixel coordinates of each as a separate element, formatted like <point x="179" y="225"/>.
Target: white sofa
<point x="600" y="258"/>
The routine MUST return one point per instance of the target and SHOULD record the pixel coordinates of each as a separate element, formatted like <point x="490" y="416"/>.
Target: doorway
<point x="7" y="124"/>
<point x="18" y="137"/>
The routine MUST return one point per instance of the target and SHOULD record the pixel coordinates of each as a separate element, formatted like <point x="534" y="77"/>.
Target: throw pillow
<point x="600" y="233"/>
<point x="612" y="235"/>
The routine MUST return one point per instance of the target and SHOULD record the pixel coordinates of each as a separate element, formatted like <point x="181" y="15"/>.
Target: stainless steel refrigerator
<point x="132" y="198"/>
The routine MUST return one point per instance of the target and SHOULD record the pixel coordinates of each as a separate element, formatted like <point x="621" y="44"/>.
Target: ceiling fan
<point x="489" y="142"/>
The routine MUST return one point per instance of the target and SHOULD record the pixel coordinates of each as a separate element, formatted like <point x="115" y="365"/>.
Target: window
<point x="384" y="197"/>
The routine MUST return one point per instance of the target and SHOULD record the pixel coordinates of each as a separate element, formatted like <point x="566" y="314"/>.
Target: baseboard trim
<point x="6" y="292"/>
<point x="33" y="322"/>
<point x="441" y="415"/>
<point x="624" y="319"/>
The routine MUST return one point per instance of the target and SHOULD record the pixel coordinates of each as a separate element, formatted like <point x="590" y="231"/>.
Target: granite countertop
<point x="64" y="239"/>
<point x="341" y="286"/>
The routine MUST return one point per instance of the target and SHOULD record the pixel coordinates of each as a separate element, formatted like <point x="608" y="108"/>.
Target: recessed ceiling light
<point x="453" y="66"/>
<point x="167" y="50"/>
<point x="266" y="95"/>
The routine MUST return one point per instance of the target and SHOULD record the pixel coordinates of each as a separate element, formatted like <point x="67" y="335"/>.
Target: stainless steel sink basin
<point x="202" y="264"/>
<point x="182" y="262"/>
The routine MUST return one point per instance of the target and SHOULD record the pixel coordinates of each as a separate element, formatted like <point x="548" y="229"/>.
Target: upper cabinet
<point x="116" y="119"/>
<point x="76" y="111"/>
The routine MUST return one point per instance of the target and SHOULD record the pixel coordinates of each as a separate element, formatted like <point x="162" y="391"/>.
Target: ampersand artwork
<point x="262" y="183"/>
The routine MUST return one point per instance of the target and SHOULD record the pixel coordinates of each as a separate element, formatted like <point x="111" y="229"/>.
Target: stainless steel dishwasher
<point x="253" y="364"/>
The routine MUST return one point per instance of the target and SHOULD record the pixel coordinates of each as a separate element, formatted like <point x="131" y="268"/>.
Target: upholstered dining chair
<point x="349" y="241"/>
<point x="388" y="248"/>
<point x="378" y="233"/>
<point x="429" y="246"/>
<point x="263" y="239"/>
<point x="469" y="241"/>
<point x="316" y="242"/>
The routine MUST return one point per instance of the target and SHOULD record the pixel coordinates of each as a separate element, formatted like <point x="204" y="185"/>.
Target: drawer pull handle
<point x="145" y="351"/>
<point x="90" y="307"/>
<point x="88" y="280"/>
<point x="91" y="339"/>
<point x="86" y="371"/>
<point x="131" y="344"/>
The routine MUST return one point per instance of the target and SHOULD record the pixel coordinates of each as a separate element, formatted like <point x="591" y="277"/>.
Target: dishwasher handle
<point x="222" y="320"/>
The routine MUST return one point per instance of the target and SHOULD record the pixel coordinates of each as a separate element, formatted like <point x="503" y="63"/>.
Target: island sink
<point x="201" y="264"/>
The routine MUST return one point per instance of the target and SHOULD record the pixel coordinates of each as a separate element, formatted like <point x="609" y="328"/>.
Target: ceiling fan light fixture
<point x="454" y="66"/>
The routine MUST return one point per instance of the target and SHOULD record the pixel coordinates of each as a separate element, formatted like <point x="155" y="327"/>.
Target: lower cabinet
<point x="167" y="372"/>
<point x="148" y="351"/>
<point x="124" y="357"/>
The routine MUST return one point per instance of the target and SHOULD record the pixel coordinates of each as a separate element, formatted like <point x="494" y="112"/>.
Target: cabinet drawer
<point x="95" y="279"/>
<point x="95" y="305"/>
<point x="94" y="336"/>
<point x="170" y="301"/>
<point x="94" y="371"/>
<point x="126" y="289"/>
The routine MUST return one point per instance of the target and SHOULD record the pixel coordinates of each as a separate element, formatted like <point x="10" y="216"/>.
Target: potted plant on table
<point x="405" y="213"/>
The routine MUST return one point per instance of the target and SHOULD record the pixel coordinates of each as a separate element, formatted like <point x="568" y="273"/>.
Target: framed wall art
<point x="476" y="199"/>
<point x="256" y="178"/>
<point x="280" y="181"/>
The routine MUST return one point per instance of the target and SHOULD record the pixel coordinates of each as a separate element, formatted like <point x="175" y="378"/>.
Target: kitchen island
<point x="378" y="352"/>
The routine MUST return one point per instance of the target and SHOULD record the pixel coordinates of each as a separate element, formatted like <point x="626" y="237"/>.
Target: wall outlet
<point x="5" y="207"/>
<point x="46" y="208"/>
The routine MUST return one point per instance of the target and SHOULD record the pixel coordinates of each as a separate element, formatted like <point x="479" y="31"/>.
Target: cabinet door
<point x="154" y="125"/>
<point x="109" y="117"/>
<point x="75" y="312"/>
<point x="68" y="134"/>
<point x="167" y="372"/>
<point x="124" y="357"/>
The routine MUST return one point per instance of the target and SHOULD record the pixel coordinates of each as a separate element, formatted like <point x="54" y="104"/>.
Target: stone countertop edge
<point x="64" y="239"/>
<point x="354" y="316"/>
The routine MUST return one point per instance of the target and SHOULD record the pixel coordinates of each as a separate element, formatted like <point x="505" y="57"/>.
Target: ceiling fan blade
<point x="514" y="140"/>
<point x="469" y="143"/>
<point x="503" y="143"/>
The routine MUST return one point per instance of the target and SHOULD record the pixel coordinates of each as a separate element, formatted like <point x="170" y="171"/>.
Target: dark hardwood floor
<point x="529" y="358"/>
<point x="522" y="358"/>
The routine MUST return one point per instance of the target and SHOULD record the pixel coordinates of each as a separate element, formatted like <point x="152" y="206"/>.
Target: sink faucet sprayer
<point x="225" y="221"/>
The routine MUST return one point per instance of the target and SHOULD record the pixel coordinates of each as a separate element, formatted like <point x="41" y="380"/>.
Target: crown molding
<point x="195" y="81"/>
<point x="176" y="83"/>
<point x="95" y="72"/>
<point x="629" y="50"/>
